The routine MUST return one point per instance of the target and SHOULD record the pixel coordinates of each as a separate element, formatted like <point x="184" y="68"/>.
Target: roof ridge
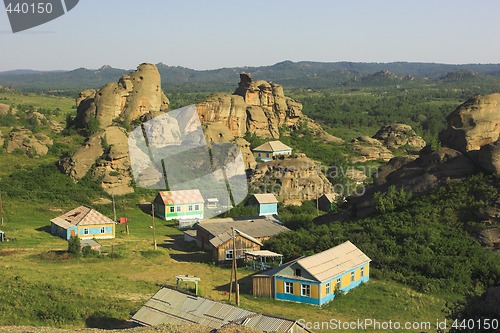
<point x="85" y="215"/>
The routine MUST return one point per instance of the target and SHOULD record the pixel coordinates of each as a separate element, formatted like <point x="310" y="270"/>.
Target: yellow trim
<point x="346" y="280"/>
<point x="280" y="286"/>
<point x="296" y="288"/>
<point x="323" y="289"/>
<point x="314" y="291"/>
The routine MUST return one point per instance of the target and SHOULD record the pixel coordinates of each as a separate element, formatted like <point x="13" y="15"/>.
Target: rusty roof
<point x="81" y="216"/>
<point x="257" y="227"/>
<point x="170" y="306"/>
<point x="333" y="262"/>
<point x="272" y="146"/>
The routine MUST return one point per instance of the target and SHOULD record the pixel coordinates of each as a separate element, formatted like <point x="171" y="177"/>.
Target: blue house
<point x="267" y="203"/>
<point x="84" y="222"/>
<point x="315" y="279"/>
<point x="269" y="150"/>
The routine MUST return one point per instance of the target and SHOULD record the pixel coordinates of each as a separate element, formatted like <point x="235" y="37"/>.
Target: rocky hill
<point x="258" y="107"/>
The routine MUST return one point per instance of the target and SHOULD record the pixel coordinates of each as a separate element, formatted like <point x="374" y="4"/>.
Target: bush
<point x="74" y="245"/>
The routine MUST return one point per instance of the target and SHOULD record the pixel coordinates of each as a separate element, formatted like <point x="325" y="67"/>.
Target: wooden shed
<point x="263" y="285"/>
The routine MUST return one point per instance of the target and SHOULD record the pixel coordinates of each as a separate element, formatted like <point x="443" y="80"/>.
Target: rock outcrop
<point x="369" y="149"/>
<point x="134" y="96"/>
<point x="258" y="107"/>
<point x="292" y="179"/>
<point x="22" y="139"/>
<point x="473" y="124"/>
<point x="400" y="135"/>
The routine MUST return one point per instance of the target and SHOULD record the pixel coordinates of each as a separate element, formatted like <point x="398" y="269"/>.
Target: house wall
<point x="94" y="231"/>
<point x="262" y="286"/>
<point x="268" y="156"/>
<point x="268" y="209"/>
<point x="242" y="244"/>
<point x="318" y="290"/>
<point x="61" y="232"/>
<point x="163" y="211"/>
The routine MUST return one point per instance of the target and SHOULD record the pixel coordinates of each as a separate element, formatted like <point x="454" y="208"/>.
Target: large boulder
<point x="473" y="124"/>
<point x="134" y="95"/>
<point x="22" y="139"/>
<point x="400" y="135"/>
<point x="369" y="149"/>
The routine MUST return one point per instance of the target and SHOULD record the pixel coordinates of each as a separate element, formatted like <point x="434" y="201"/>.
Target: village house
<point x="216" y="236"/>
<point x="84" y="222"/>
<point x="174" y="307"/>
<point x="267" y="151"/>
<point x="315" y="279"/>
<point x="184" y="204"/>
<point x="327" y="201"/>
<point x="266" y="202"/>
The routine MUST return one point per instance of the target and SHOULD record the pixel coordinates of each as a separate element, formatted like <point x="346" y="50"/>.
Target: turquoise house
<point x="315" y="279"/>
<point x="266" y="202"/>
<point x="183" y="204"/>
<point x="271" y="149"/>
<point x="84" y="222"/>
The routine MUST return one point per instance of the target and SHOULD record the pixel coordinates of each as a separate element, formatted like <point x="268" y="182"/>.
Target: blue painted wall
<point x="268" y="209"/>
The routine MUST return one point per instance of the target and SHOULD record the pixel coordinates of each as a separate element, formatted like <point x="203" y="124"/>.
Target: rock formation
<point x="29" y="143"/>
<point x="258" y="107"/>
<point x="135" y="95"/>
<point x="400" y="135"/>
<point x="293" y="179"/>
<point x="369" y="149"/>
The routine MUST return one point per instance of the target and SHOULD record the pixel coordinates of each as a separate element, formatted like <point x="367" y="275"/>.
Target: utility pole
<point x="235" y="267"/>
<point x="126" y="219"/>
<point x="154" y="227"/>
<point x="114" y="207"/>
<point x="1" y="207"/>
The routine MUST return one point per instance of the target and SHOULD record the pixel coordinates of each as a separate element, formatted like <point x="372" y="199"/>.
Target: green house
<point x="184" y="204"/>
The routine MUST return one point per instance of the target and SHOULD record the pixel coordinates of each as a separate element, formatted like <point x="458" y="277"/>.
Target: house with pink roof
<point x="183" y="204"/>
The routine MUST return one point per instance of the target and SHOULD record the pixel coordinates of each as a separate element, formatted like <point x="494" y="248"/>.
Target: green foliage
<point x="93" y="126"/>
<point x="74" y="245"/>
<point x="420" y="244"/>
<point x="473" y="307"/>
<point x="391" y="200"/>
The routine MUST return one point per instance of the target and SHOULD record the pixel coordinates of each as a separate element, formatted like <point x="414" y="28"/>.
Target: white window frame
<point x="178" y="209"/>
<point x="305" y="290"/>
<point x="172" y="209"/>
<point x="338" y="284"/>
<point x="353" y="276"/>
<point x="328" y="288"/>
<point x="229" y="254"/>
<point x="196" y="207"/>
<point x="362" y="272"/>
<point x="86" y="231"/>
<point x="190" y="208"/>
<point x="103" y="230"/>
<point x="288" y="288"/>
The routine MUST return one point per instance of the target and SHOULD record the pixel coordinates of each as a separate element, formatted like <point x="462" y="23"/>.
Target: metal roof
<point x="181" y="197"/>
<point x="257" y="227"/>
<point x="89" y="242"/>
<point x="227" y="235"/>
<point x="265" y="198"/>
<point x="272" y="146"/>
<point x="263" y="253"/>
<point x="170" y="306"/>
<point x="333" y="262"/>
<point x="81" y="216"/>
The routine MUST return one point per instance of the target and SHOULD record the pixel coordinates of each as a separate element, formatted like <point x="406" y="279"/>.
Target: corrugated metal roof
<point x="256" y="227"/>
<point x="272" y="146"/>
<point x="181" y="197"/>
<point x="333" y="262"/>
<point x="169" y="306"/>
<point x="265" y="198"/>
<point x="224" y="237"/>
<point x="81" y="216"/>
<point x="263" y="253"/>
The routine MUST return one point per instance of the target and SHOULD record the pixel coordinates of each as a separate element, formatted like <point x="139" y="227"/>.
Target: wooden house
<point x="269" y="150"/>
<point x="184" y="204"/>
<point x="216" y="236"/>
<point x="266" y="203"/>
<point x="327" y="201"/>
<point x="84" y="222"/>
<point x="315" y="279"/>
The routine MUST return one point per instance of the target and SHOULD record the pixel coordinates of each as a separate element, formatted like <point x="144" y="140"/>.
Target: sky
<point x="227" y="33"/>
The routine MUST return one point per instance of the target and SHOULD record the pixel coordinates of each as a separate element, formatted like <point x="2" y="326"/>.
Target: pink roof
<point x="81" y="216"/>
<point x="181" y="197"/>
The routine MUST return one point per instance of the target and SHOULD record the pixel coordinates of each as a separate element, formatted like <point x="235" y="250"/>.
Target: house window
<point x="172" y="209"/>
<point x="85" y="231"/>
<point x="260" y="155"/>
<point x="298" y="272"/>
<point x="229" y="254"/>
<point x="305" y="290"/>
<point x="288" y="288"/>
<point x="267" y="155"/>
<point x="338" y="284"/>
<point x="362" y="271"/>
<point x="103" y="230"/>
<point x="178" y="209"/>
<point x="196" y="207"/>
<point x="190" y="208"/>
<point x="352" y="276"/>
<point x="328" y="288"/>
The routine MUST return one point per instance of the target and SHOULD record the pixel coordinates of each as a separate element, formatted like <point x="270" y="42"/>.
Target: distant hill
<point x="304" y="74"/>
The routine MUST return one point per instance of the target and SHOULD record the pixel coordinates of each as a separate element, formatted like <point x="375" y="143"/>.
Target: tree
<point x="74" y="246"/>
<point x="391" y="200"/>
